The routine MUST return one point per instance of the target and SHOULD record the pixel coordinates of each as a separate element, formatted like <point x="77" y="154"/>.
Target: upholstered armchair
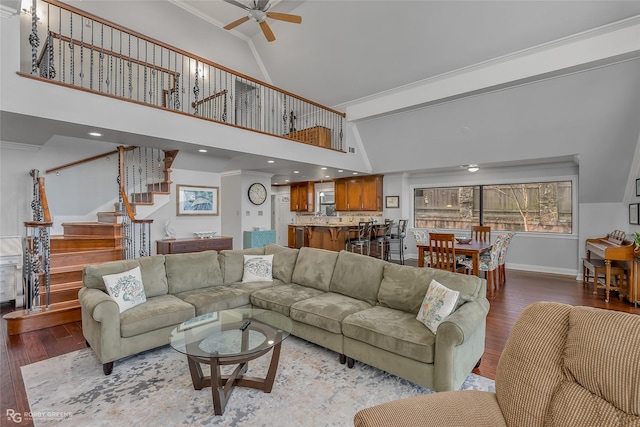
<point x="561" y="366"/>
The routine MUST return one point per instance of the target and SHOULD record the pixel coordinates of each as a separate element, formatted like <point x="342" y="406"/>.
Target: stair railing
<point x="36" y="247"/>
<point x="86" y="52"/>
<point x="142" y="172"/>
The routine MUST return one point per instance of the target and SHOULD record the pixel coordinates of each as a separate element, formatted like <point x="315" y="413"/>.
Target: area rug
<point x="154" y="388"/>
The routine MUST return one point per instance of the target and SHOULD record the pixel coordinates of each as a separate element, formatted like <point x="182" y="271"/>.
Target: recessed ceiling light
<point x="355" y="173"/>
<point x="324" y="169"/>
<point x="270" y="161"/>
<point x="286" y="180"/>
<point x="472" y="168"/>
<point x="95" y="134"/>
<point x="296" y="171"/>
<point x="327" y="176"/>
<point x="202" y="150"/>
<point x="340" y="170"/>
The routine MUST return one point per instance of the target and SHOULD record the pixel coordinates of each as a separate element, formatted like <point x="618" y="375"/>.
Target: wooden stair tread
<point x="96" y="224"/>
<point x="21" y="321"/>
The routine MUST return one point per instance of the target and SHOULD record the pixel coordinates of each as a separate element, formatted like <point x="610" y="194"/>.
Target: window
<point x="534" y="206"/>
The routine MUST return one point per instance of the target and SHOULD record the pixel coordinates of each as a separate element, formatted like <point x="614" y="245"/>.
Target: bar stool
<point x="362" y="240"/>
<point x="382" y="239"/>
<point x="398" y="237"/>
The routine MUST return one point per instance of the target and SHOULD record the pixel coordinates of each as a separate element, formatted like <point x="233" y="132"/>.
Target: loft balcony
<point x="68" y="47"/>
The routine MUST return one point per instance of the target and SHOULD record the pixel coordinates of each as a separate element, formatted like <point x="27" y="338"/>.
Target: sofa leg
<point x="478" y="364"/>
<point x="107" y="368"/>
<point x="350" y="362"/>
<point x="87" y="343"/>
<point x="343" y="359"/>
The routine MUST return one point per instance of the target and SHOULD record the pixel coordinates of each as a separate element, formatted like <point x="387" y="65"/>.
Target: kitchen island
<point x="323" y="236"/>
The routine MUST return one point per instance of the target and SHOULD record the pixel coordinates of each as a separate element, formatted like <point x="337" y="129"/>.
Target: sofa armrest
<point x="99" y="305"/>
<point x="460" y="344"/>
<point x="463" y="322"/>
<point x="101" y="323"/>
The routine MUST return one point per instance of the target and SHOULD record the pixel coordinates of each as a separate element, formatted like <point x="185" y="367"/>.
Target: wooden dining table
<point x="473" y="249"/>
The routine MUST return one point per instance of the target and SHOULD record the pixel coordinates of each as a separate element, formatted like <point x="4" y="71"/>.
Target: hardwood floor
<point x="522" y="289"/>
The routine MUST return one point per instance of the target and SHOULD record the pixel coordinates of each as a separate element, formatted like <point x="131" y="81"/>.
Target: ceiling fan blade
<point x="266" y="30"/>
<point x="235" y="3"/>
<point x="295" y="19"/>
<point x="262" y="3"/>
<point x="236" y="23"/>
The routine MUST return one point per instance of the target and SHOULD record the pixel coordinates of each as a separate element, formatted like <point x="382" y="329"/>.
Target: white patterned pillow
<point x="126" y="288"/>
<point x="257" y="268"/>
<point x="438" y="303"/>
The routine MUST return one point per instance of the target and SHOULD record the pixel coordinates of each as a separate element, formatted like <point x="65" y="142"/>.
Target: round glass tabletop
<point x="230" y="333"/>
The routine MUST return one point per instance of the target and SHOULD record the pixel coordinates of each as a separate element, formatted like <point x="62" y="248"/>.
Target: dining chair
<point x="362" y="240"/>
<point x="481" y="232"/>
<point x="398" y="237"/>
<point x="502" y="272"/>
<point x="442" y="252"/>
<point x="489" y="264"/>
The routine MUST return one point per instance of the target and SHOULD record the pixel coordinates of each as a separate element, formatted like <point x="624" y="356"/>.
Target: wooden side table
<point x="180" y="246"/>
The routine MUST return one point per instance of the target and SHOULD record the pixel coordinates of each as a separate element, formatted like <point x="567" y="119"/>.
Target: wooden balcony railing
<point x="86" y="52"/>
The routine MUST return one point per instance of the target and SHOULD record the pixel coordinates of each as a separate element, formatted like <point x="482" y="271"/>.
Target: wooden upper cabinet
<point x="359" y="194"/>
<point x="301" y="197"/>
<point x="340" y="192"/>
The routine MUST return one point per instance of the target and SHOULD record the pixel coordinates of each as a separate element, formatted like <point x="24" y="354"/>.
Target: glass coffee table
<point x="231" y="337"/>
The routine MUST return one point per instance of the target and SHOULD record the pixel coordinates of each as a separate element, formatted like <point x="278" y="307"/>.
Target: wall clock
<point x="257" y="193"/>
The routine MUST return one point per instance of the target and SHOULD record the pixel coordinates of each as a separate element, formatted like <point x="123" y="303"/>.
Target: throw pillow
<point x="257" y="268"/>
<point x="438" y="303"/>
<point x="126" y="288"/>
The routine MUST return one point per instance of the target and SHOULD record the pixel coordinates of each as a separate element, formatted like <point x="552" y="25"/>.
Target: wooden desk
<point x="180" y="246"/>
<point x="473" y="249"/>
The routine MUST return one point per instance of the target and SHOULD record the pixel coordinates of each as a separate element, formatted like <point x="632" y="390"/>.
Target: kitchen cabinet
<point x="291" y="236"/>
<point x="301" y="197"/>
<point x="359" y="193"/>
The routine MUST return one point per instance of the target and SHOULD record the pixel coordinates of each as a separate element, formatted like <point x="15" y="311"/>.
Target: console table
<point x="180" y="246"/>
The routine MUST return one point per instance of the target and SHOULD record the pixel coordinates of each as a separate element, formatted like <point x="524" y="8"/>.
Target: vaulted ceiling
<point x="345" y="53"/>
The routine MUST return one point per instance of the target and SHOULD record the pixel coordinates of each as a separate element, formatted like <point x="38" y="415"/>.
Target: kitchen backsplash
<point x="344" y="218"/>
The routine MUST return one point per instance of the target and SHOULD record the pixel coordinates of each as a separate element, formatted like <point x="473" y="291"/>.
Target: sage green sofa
<point x="360" y="307"/>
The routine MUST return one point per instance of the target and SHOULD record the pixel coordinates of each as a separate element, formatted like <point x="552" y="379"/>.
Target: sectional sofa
<point x="360" y="307"/>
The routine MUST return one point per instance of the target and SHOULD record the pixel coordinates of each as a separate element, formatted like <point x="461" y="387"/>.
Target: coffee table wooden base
<point x="222" y="385"/>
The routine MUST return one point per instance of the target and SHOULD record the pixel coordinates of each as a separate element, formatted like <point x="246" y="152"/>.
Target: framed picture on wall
<point x="633" y="213"/>
<point x="196" y="201"/>
<point x="392" y="202"/>
<point x="638" y="187"/>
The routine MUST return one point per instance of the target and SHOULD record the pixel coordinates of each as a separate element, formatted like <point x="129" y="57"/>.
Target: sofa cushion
<point x="438" y="303"/>
<point x="357" y="276"/>
<point x="125" y="288"/>
<point x="154" y="275"/>
<point x="257" y="268"/>
<point x="326" y="311"/>
<point x="393" y="330"/>
<point x="232" y="263"/>
<point x="314" y="268"/>
<point x="284" y="261"/>
<point x="404" y="287"/>
<point x="186" y="272"/>
<point x="280" y="298"/>
<point x="92" y="274"/>
<point x="157" y="313"/>
<point x="215" y="298"/>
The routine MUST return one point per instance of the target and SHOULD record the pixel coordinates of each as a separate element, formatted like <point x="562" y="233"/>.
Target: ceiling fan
<point x="259" y="13"/>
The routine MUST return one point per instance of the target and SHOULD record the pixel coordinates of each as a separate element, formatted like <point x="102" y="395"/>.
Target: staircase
<point x="81" y="244"/>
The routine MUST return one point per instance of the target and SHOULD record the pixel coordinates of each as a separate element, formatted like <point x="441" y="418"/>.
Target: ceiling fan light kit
<point x="259" y="13"/>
